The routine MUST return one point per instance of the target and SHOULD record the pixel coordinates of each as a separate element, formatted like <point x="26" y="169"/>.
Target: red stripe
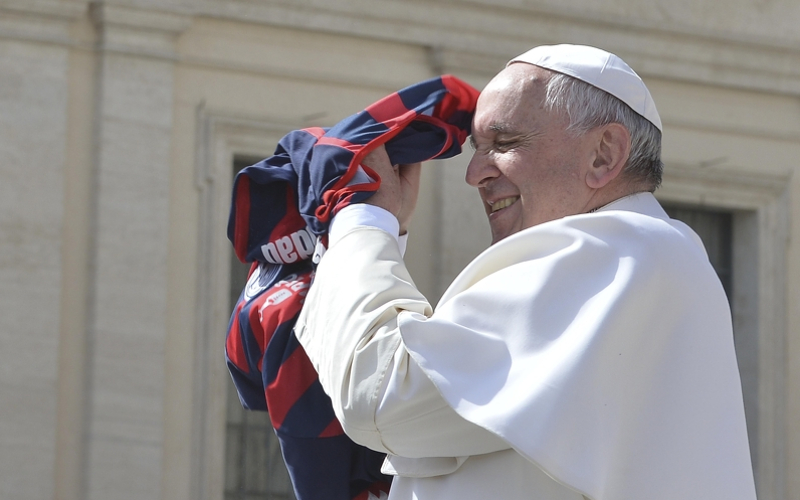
<point x="265" y="320"/>
<point x="241" y="227"/>
<point x="333" y="429"/>
<point x="335" y="141"/>
<point x="261" y="330"/>
<point x="234" y="346"/>
<point x="295" y="376"/>
<point x="290" y="222"/>
<point x="397" y="123"/>
<point x="387" y="109"/>
<point x="464" y="95"/>
<point x="315" y="131"/>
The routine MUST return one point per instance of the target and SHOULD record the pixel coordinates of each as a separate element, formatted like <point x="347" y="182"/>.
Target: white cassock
<point x="589" y="356"/>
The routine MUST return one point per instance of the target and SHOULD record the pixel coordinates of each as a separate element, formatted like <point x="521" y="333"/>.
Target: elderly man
<point x="586" y="354"/>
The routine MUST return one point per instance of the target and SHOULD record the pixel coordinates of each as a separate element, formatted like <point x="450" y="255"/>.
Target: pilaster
<point x="127" y="326"/>
<point x="34" y="99"/>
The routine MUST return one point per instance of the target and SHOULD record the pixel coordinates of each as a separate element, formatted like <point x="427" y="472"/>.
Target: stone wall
<point x="119" y="124"/>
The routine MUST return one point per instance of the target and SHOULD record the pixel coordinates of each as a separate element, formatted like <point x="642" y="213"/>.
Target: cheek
<point x="547" y="188"/>
<point x="518" y="165"/>
<point x="532" y="175"/>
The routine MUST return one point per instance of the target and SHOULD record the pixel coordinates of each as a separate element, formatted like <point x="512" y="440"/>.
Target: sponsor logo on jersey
<point x="292" y="285"/>
<point x="292" y="248"/>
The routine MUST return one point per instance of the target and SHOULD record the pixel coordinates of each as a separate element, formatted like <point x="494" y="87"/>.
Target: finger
<point x="378" y="160"/>
<point x="411" y="174"/>
<point x="389" y="194"/>
<point x="410" y="181"/>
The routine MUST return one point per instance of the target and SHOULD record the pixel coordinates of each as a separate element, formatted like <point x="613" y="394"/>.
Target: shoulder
<point x="585" y="246"/>
<point x="618" y="233"/>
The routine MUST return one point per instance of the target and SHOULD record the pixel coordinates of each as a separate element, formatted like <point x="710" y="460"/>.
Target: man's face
<point x="528" y="169"/>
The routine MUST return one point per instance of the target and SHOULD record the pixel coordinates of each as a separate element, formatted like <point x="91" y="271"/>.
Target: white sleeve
<point x="365" y="215"/>
<point x="349" y="329"/>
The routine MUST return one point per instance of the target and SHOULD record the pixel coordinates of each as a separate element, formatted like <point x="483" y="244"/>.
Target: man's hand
<point x="399" y="186"/>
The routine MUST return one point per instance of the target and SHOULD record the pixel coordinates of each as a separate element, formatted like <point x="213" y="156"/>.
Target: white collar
<point x="643" y="202"/>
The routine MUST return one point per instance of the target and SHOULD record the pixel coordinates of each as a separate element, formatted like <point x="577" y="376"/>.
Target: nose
<point x="481" y="169"/>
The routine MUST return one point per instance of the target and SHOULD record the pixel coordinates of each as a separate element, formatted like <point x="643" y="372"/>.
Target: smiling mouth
<point x="502" y="203"/>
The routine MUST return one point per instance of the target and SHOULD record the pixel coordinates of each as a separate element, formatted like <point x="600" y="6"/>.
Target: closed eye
<point x="503" y="146"/>
<point x="498" y="145"/>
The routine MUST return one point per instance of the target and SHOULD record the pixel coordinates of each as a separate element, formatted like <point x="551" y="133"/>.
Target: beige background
<point x="119" y="120"/>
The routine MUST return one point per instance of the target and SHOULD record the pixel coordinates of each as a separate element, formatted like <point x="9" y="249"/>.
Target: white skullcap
<point x="596" y="67"/>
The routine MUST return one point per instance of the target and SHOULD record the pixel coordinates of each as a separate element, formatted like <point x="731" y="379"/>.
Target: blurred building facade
<point x="120" y="125"/>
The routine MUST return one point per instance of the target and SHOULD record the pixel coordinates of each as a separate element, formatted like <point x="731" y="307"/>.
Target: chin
<point x="496" y="237"/>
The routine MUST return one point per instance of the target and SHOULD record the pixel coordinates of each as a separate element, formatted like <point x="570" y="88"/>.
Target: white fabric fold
<point x="598" y="347"/>
<point x="421" y="467"/>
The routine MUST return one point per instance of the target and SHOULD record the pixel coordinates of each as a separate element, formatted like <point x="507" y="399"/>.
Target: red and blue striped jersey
<point x="280" y="210"/>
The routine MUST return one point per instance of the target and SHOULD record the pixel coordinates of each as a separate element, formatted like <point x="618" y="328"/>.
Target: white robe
<point x="591" y="355"/>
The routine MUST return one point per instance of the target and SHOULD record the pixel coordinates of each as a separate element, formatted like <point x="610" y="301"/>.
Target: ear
<point x="611" y="154"/>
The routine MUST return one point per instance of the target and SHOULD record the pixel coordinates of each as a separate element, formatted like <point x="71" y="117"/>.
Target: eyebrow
<point x="506" y="129"/>
<point x="498" y="127"/>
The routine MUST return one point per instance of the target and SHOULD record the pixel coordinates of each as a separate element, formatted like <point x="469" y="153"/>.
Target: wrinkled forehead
<point x="516" y="94"/>
<point x="520" y="78"/>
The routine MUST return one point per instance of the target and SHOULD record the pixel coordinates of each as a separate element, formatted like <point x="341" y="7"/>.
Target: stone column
<point x="34" y="81"/>
<point x="127" y="312"/>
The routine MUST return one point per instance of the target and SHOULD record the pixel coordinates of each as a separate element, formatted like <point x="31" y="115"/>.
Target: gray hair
<point x="588" y="107"/>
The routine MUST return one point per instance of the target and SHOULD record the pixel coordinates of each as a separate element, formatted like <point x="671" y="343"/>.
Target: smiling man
<point x="587" y="353"/>
<point x="532" y="166"/>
